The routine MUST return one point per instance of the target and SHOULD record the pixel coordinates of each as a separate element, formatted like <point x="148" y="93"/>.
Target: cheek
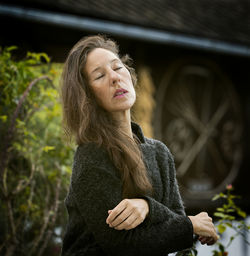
<point x="134" y="95"/>
<point x="128" y="78"/>
<point x="131" y="87"/>
<point x="101" y="96"/>
<point x="132" y="90"/>
<point x="98" y="92"/>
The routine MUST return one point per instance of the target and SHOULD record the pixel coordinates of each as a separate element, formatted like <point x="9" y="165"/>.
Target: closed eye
<point x="100" y="76"/>
<point x="117" y="68"/>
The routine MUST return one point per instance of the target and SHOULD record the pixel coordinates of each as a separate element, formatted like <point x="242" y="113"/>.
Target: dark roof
<point x="227" y="20"/>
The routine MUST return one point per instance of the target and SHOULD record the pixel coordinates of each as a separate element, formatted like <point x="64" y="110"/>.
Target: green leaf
<point x="220" y="215"/>
<point x="48" y="148"/>
<point x="46" y="57"/>
<point x="11" y="48"/>
<point x="241" y="213"/>
<point x="228" y="224"/>
<point x="215" y="197"/>
<point x="220" y="209"/>
<point x="3" y="118"/>
<point x="221" y="247"/>
<point x="221" y="228"/>
<point x="229" y="217"/>
<point x="215" y="253"/>
<point x="230" y="210"/>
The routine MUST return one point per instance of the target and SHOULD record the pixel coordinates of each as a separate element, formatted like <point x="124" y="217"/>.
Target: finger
<point x="211" y="241"/>
<point x="113" y="216"/>
<point x="203" y="239"/>
<point x="115" y="212"/>
<point x="131" y="222"/>
<point x="121" y="217"/>
<point x="215" y="237"/>
<point x="200" y="238"/>
<point x="136" y="223"/>
<point x="214" y="234"/>
<point x="127" y="223"/>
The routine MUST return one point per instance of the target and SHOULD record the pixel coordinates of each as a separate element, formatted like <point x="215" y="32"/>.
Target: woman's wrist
<point x="193" y="221"/>
<point x="146" y="207"/>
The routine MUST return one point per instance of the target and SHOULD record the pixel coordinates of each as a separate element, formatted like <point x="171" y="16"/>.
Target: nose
<point x="114" y="77"/>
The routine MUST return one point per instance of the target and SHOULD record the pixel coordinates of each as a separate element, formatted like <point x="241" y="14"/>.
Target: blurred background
<point x="193" y="64"/>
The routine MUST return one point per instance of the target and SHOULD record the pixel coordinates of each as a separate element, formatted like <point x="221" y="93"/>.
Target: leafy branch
<point x="34" y="160"/>
<point x="230" y="216"/>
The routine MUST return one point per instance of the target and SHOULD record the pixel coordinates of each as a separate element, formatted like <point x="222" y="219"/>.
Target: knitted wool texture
<point x="96" y="188"/>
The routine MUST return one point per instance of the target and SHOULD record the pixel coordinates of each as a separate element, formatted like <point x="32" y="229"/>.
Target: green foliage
<point x="229" y="215"/>
<point x="35" y="161"/>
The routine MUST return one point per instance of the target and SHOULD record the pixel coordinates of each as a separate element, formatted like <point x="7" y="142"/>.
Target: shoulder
<point x="92" y="171"/>
<point x="162" y="153"/>
<point x="91" y="159"/>
<point x="90" y="154"/>
<point x="159" y="147"/>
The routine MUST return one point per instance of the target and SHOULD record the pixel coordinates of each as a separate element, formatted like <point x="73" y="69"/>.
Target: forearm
<point x="156" y="235"/>
<point x="153" y="239"/>
<point x="168" y="236"/>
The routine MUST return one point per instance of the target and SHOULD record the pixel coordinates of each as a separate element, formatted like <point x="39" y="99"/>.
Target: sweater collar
<point x="136" y="129"/>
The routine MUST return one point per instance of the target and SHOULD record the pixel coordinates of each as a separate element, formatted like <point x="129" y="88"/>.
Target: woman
<point x="123" y="197"/>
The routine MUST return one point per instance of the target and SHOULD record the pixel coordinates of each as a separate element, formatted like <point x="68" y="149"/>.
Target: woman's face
<point x="110" y="80"/>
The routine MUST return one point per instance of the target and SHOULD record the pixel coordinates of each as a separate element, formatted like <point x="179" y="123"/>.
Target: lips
<point x="120" y="92"/>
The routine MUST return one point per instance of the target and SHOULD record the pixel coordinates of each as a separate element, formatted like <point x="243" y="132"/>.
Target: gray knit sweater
<point x="96" y="188"/>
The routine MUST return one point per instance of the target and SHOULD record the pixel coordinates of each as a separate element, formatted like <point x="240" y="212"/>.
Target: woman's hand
<point x="128" y="214"/>
<point x="204" y="228"/>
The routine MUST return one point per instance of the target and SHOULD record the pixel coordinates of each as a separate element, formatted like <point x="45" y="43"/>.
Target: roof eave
<point x="125" y="30"/>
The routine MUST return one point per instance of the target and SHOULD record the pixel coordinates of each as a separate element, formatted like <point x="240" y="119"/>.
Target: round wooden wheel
<point x="198" y="117"/>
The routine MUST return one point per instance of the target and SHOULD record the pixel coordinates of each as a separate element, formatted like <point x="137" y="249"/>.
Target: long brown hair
<point x="88" y="122"/>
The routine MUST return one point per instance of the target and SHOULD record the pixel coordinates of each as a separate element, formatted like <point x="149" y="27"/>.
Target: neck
<point x="124" y="118"/>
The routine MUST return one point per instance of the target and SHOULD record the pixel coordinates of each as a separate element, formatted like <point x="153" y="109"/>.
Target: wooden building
<point x="197" y="57"/>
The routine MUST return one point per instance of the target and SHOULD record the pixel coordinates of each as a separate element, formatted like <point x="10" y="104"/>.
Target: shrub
<point x="35" y="162"/>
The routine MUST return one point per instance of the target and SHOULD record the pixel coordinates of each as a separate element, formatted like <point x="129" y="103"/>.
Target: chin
<point x="123" y="106"/>
<point x="126" y="107"/>
<point x="120" y="109"/>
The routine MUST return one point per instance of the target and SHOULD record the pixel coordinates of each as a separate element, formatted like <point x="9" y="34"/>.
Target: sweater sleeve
<point x="171" y="184"/>
<point x="176" y="202"/>
<point x="97" y="190"/>
<point x="159" y="211"/>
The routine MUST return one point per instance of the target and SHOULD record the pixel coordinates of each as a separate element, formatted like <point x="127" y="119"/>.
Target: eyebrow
<point x="96" y="69"/>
